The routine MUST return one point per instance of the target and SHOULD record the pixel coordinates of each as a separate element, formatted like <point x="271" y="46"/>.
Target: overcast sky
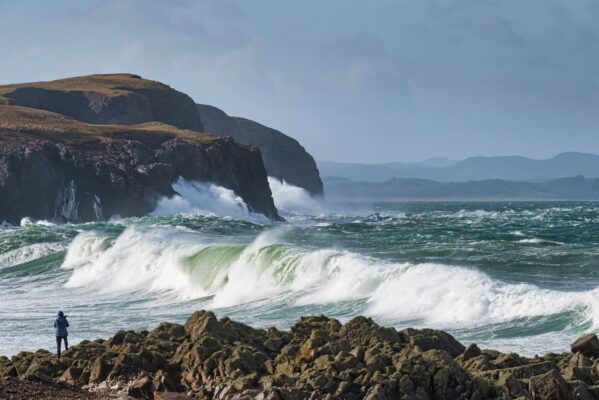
<point x="352" y="80"/>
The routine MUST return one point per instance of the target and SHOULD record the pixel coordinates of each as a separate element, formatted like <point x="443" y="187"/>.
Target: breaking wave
<point x="180" y="264"/>
<point x="28" y="253"/>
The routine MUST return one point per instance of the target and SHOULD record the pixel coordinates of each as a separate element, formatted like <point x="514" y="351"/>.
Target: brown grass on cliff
<point x="19" y="122"/>
<point x="107" y="84"/>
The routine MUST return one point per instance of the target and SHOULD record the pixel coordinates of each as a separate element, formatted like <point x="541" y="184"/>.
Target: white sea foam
<point x="196" y="198"/>
<point x="456" y="296"/>
<point x="28" y="253"/>
<point x="28" y="221"/>
<point x="537" y="241"/>
<point x="164" y="259"/>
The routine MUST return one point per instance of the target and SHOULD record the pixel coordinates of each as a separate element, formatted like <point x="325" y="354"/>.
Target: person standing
<point x="61" y="324"/>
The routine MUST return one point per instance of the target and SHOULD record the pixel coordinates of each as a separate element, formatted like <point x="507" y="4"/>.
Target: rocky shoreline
<point x="317" y="358"/>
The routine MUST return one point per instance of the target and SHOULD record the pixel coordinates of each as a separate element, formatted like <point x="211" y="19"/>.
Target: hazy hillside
<point x="575" y="188"/>
<point x="516" y="168"/>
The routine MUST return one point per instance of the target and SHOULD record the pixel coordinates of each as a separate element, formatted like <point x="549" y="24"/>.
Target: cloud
<point x="350" y="79"/>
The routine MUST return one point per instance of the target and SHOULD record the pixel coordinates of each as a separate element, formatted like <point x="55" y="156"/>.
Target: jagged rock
<point x="141" y="388"/>
<point x="520" y="372"/>
<point x="100" y="369"/>
<point x="549" y="386"/>
<point x="201" y="323"/>
<point x="578" y="367"/>
<point x="169" y="332"/>
<point x="588" y="345"/>
<point x="470" y="352"/>
<point x="429" y="339"/>
<point x="510" y="387"/>
<point x="72" y="375"/>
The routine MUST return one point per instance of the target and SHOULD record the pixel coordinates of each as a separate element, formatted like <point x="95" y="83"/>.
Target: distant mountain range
<point x="575" y="188"/>
<point x="513" y="168"/>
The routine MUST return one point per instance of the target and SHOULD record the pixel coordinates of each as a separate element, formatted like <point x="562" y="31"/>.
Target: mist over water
<point x="511" y="276"/>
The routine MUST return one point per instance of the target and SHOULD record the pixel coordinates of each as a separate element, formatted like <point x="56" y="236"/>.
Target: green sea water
<point x="517" y="276"/>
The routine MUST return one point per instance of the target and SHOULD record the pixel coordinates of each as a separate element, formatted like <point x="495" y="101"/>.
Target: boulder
<point x="549" y="386"/>
<point x="587" y="345"/>
<point x="429" y="339"/>
<point x="470" y="352"/>
<point x="141" y="388"/>
<point x="168" y="332"/>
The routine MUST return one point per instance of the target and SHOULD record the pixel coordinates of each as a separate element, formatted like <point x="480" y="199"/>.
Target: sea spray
<point x="198" y="198"/>
<point x="292" y="199"/>
<point x="28" y="253"/>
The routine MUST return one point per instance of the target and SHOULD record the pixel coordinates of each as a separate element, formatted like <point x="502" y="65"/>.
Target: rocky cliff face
<point x="56" y="168"/>
<point x="284" y="157"/>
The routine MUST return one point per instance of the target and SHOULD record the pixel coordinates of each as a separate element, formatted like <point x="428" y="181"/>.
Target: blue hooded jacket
<point x="61" y="325"/>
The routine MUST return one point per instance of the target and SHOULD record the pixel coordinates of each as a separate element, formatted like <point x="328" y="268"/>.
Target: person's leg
<point x="58" y="346"/>
<point x="66" y="344"/>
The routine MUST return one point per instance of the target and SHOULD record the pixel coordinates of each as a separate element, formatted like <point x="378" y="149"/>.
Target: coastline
<point x="316" y="358"/>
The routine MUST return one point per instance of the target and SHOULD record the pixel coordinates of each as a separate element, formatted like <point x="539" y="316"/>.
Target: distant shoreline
<point x="454" y="200"/>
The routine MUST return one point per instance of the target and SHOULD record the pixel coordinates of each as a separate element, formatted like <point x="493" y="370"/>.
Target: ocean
<point x="512" y="276"/>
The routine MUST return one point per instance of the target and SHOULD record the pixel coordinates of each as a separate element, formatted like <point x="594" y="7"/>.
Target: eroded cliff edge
<point x="284" y="157"/>
<point x="90" y="148"/>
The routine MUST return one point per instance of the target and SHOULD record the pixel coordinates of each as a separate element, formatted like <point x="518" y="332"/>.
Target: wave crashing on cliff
<point x="209" y="199"/>
<point x="200" y="198"/>
<point x="293" y="200"/>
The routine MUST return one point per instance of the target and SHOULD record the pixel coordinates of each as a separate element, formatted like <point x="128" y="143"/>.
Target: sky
<point x="352" y="80"/>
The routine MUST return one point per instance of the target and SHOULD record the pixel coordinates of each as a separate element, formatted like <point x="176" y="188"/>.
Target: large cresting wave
<point x="176" y="263"/>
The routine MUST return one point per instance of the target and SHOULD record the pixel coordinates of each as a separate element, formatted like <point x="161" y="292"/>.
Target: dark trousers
<point x="66" y="344"/>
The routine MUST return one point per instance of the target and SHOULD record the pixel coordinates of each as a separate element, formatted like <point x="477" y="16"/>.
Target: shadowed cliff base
<point x="318" y="358"/>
